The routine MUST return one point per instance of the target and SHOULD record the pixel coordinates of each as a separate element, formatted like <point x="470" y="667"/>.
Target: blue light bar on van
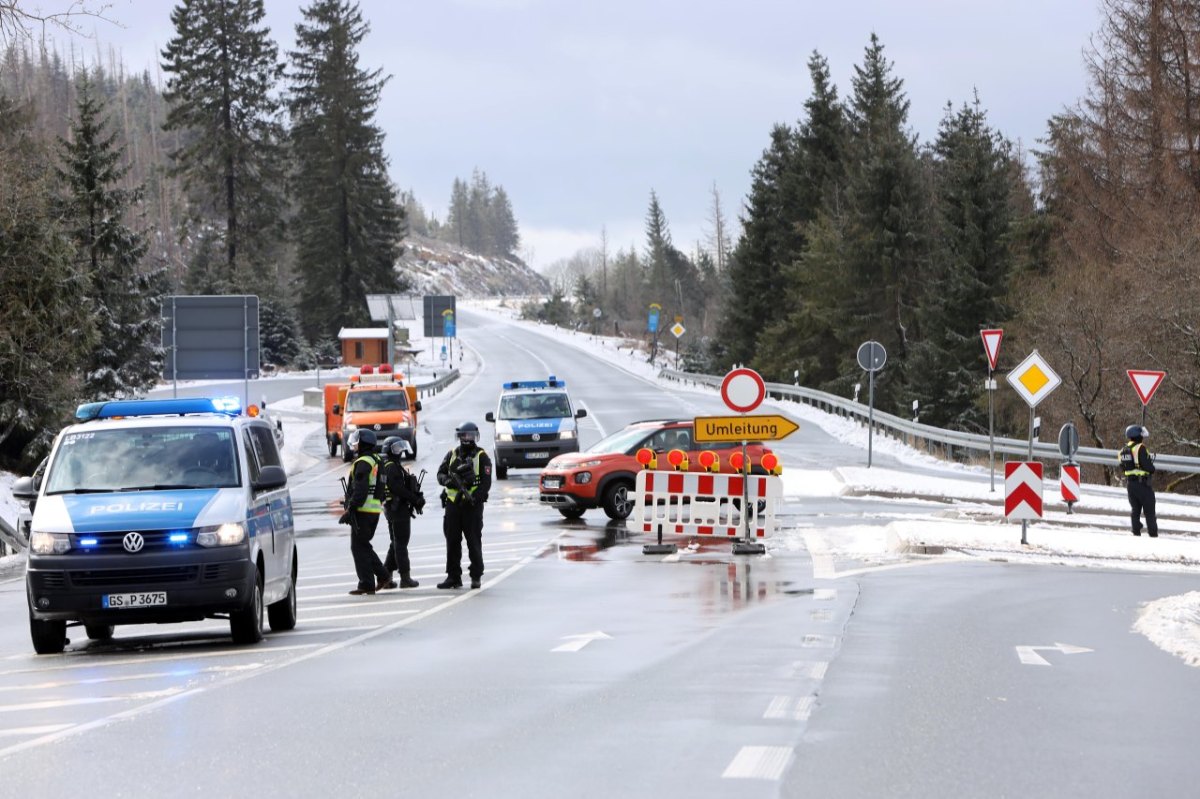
<point x="553" y="382"/>
<point x="230" y="406"/>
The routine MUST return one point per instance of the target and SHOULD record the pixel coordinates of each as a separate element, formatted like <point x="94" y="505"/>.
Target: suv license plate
<point x="552" y="482"/>
<point x="534" y="456"/>
<point x="139" y="600"/>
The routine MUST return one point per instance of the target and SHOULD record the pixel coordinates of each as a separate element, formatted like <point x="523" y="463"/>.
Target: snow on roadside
<point x="1173" y="625"/>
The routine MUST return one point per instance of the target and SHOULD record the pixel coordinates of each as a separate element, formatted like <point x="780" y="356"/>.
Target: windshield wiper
<point x="85" y="491"/>
<point x="160" y="487"/>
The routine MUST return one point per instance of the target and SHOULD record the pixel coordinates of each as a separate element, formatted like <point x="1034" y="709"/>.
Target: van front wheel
<point x="246" y="625"/>
<point x="49" y="637"/>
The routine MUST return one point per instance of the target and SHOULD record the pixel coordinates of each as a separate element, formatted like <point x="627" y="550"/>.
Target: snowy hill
<point x="436" y="267"/>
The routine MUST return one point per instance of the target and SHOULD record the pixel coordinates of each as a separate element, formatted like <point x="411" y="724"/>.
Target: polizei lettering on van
<point x="134" y="507"/>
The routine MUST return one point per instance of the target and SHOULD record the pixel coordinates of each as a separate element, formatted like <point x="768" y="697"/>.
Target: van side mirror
<point x="337" y="410"/>
<point x="23" y="490"/>
<point x="417" y="406"/>
<point x="489" y="417"/>
<point x="580" y="413"/>
<point x="270" y="477"/>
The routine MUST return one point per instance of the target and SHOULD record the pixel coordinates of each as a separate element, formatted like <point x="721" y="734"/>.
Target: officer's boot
<point x="451" y="582"/>
<point x="406" y="581"/>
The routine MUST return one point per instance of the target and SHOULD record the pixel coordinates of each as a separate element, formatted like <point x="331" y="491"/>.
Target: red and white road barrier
<point x="686" y="503"/>
<point x="1022" y="490"/>
<point x="1068" y="482"/>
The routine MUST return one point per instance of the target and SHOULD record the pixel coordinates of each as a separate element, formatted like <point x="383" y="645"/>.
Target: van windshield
<point x="367" y="401"/>
<point x="534" y="406"/>
<point x="144" y="459"/>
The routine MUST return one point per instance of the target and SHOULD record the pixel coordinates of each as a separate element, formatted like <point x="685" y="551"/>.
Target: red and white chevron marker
<point x="1068" y="482"/>
<point x="1022" y="490"/>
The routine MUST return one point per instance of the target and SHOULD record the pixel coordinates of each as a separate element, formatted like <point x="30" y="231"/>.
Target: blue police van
<point x="535" y="421"/>
<point x="160" y="511"/>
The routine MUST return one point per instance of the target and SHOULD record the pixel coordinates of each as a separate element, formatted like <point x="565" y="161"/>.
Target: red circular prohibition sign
<point x="743" y="390"/>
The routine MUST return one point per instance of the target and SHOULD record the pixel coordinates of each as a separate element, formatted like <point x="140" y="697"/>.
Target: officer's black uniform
<point x="402" y="499"/>
<point x="363" y="507"/>
<point x="466" y="475"/>
<point x="1139" y="471"/>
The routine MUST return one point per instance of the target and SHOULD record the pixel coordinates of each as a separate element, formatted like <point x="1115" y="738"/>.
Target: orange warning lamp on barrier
<point x="708" y="459"/>
<point x="645" y="456"/>
<point x="737" y="462"/>
<point x="678" y="459"/>
<point x="770" y="462"/>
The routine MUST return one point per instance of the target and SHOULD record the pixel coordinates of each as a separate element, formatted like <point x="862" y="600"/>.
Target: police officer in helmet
<point x="402" y="499"/>
<point x="364" y="503"/>
<point x="466" y="478"/>
<point x="1138" y="467"/>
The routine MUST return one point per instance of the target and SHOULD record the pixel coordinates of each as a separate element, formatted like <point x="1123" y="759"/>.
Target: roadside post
<point x="1145" y="383"/>
<point x="991" y="348"/>
<point x="652" y="328"/>
<point x="1034" y="380"/>
<point x="677" y="330"/>
<point x="871" y="357"/>
<point x="1068" y="472"/>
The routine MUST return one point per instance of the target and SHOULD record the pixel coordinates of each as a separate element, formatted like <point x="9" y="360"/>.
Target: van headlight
<point x="221" y="535"/>
<point x="567" y="434"/>
<point x="504" y="436"/>
<point x="49" y="543"/>
<point x="350" y="428"/>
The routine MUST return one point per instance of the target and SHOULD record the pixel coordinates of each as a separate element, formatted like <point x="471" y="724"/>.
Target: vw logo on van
<point x="133" y="542"/>
<point x="536" y="436"/>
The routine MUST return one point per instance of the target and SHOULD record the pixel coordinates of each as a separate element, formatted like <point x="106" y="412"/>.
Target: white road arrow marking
<point x="1031" y="658"/>
<point x="579" y="641"/>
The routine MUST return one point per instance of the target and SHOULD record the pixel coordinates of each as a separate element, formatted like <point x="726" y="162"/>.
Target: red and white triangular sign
<point x="1145" y="382"/>
<point x="991" y="345"/>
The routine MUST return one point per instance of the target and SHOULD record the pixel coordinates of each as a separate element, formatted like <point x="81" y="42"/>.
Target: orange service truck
<point x="377" y="401"/>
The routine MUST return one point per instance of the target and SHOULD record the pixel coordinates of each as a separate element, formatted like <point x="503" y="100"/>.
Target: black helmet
<point x="395" y="447"/>
<point x="362" y="441"/>
<point x="467" y="433"/>
<point x="1136" y="431"/>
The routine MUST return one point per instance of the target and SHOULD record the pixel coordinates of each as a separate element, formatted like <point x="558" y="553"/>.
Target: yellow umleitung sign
<point x="743" y="428"/>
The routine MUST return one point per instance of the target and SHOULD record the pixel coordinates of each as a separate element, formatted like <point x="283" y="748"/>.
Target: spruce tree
<point x="660" y="287"/>
<point x="972" y="263"/>
<point x="885" y="230"/>
<point x="222" y="71"/>
<point x="506" y="238"/>
<point x="48" y="326"/>
<point x="766" y="243"/>
<point x="797" y="337"/>
<point x="124" y="301"/>
<point x="349" y="223"/>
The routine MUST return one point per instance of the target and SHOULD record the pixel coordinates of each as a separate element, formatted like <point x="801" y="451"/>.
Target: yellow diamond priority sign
<point x="1033" y="379"/>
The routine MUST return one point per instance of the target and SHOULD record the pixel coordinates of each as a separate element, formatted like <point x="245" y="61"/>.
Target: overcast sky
<point x="580" y="107"/>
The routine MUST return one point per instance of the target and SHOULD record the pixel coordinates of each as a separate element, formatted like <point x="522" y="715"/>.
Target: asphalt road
<point x="585" y="668"/>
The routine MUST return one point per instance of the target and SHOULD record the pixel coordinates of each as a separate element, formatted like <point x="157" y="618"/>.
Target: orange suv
<point x="602" y="476"/>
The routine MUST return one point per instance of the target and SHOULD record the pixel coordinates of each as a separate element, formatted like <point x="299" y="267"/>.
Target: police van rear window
<point x="144" y="459"/>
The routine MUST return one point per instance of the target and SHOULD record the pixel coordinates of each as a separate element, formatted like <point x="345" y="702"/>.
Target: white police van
<point x="535" y="421"/>
<point x="158" y="511"/>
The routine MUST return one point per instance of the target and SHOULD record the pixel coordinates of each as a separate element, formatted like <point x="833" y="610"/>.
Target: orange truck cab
<point x="371" y="401"/>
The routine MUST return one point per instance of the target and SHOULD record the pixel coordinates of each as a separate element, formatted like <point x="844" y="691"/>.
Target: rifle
<point x="464" y="496"/>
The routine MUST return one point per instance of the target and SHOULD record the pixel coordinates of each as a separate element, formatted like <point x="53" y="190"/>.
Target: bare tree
<point x="717" y="236"/>
<point x="17" y="21"/>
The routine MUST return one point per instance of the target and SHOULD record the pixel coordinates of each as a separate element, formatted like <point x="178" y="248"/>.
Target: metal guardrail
<point x="436" y="387"/>
<point x="912" y="432"/>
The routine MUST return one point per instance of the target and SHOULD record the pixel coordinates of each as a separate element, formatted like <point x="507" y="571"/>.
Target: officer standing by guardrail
<point x="466" y="478"/>
<point x="1138" y="467"/>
